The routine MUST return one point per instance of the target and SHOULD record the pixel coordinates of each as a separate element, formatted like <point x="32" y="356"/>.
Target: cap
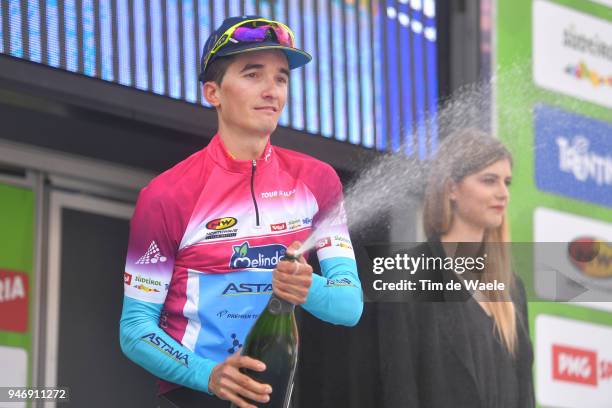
<point x="296" y="57"/>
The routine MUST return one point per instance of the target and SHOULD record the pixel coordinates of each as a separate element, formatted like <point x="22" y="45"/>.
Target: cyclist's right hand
<point x="228" y="383"/>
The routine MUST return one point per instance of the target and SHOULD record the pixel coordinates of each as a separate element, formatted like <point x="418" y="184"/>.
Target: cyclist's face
<point x="253" y="92"/>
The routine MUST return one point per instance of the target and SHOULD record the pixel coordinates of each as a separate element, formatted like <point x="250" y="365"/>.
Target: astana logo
<point x="264" y="256"/>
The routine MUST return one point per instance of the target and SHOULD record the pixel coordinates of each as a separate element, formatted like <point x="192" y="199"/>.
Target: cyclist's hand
<point x="291" y="280"/>
<point x="228" y="383"/>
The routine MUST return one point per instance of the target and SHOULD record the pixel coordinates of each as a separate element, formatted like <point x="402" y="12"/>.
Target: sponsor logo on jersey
<point x="161" y="345"/>
<point x="222" y="234"/>
<point x="307" y="221"/>
<point x="148" y="281"/>
<point x="235" y="344"/>
<point x="342" y="242"/>
<point x="341" y="238"/>
<point x="294" y="224"/>
<point x="145" y="288"/>
<point x="226" y="314"/>
<point x="323" y="243"/>
<point x="127" y="278"/>
<point x="340" y="282"/>
<point x="152" y="256"/>
<point x="278" y="194"/>
<point x="278" y="227"/>
<point x="264" y="256"/>
<point x="222" y="223"/>
<point x="234" y="289"/>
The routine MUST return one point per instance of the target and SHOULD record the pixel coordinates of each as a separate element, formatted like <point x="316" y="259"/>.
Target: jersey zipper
<point x="253" y="192"/>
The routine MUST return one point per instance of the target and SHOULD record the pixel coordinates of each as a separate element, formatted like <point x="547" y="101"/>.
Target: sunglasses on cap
<point x="252" y="31"/>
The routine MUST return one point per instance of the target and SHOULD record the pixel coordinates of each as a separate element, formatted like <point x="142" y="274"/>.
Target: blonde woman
<point x="468" y="347"/>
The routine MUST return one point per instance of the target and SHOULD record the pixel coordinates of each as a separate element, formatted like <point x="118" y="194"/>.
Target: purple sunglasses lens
<point x="257" y="34"/>
<point x="247" y="34"/>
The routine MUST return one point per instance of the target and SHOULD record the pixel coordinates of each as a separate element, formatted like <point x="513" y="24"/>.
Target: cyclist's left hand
<point x="291" y="280"/>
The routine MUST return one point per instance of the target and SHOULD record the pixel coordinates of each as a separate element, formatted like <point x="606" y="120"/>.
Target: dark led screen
<point x="373" y="81"/>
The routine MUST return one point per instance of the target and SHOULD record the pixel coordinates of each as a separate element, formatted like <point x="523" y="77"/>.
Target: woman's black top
<point x="494" y="367"/>
<point x="440" y="351"/>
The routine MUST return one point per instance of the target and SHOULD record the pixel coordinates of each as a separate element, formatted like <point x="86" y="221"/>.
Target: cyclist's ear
<point x="210" y="90"/>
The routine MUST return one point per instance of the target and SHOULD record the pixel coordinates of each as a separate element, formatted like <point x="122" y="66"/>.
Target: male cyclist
<point x="207" y="235"/>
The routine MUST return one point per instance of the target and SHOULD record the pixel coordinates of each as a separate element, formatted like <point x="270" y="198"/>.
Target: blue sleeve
<point x="146" y="344"/>
<point x="336" y="296"/>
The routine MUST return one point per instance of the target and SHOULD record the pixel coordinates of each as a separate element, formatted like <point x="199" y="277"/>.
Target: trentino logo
<point x="576" y="159"/>
<point x="264" y="256"/>
<point x="573" y="157"/>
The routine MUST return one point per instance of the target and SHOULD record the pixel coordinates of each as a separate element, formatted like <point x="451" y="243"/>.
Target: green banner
<point x="517" y="95"/>
<point x="17" y="206"/>
<point x="553" y="108"/>
<point x="536" y="113"/>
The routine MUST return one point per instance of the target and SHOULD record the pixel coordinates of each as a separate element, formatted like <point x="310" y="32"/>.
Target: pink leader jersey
<point x="207" y="233"/>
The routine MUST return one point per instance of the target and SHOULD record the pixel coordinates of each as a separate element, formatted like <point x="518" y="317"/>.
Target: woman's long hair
<point x="461" y="155"/>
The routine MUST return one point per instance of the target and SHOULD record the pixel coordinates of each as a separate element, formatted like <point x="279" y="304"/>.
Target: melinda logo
<point x="572" y="155"/>
<point x="264" y="256"/>
<point x="580" y="366"/>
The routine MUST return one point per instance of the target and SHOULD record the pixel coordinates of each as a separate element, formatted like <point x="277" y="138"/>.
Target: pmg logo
<point x="221" y="223"/>
<point x="264" y="256"/>
<point x="580" y="366"/>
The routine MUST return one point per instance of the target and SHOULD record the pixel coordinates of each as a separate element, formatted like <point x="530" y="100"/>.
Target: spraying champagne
<point x="274" y="341"/>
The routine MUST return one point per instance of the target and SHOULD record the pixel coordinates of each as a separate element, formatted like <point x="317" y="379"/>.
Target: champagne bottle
<point x="273" y="340"/>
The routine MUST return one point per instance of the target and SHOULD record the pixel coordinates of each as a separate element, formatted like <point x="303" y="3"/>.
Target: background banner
<point x="16" y="284"/>
<point x="553" y="108"/>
